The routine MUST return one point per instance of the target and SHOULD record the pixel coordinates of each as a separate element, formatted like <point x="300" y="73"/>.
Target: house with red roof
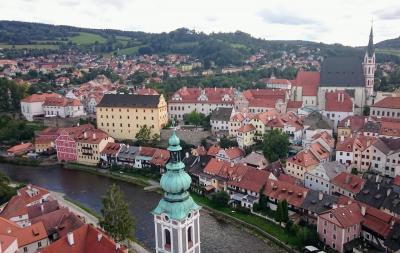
<point x="277" y="83"/>
<point x="66" y="143"/>
<point x="17" y="208"/>
<point x="8" y="244"/>
<point x="89" y="145"/>
<point x="29" y="239"/>
<point x="32" y="105"/>
<point x="63" y="107"/>
<point x="232" y="154"/>
<point x="386" y="107"/>
<point x="262" y="100"/>
<point x="86" y="239"/>
<point x="338" y="105"/>
<point x="245" y="191"/>
<point x="203" y="100"/>
<point x="306" y="85"/>
<point x="20" y="149"/>
<point x="109" y="153"/>
<point x="245" y="136"/>
<point x="347" y="184"/>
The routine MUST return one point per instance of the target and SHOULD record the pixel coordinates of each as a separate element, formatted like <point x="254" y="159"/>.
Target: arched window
<point x="167" y="239"/>
<point x="189" y="237"/>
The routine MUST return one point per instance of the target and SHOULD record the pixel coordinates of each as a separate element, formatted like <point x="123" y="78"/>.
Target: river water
<point x="216" y="236"/>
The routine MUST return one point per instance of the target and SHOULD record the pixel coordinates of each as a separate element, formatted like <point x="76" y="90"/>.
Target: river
<point x="216" y="236"/>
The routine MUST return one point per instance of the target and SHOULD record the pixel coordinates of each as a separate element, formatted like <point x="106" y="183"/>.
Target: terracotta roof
<point x="397" y="181"/>
<point x="214" y="95"/>
<point x="17" y="205"/>
<point x="309" y="80"/>
<point x="252" y="180"/>
<point x="346" y="145"/>
<point x="25" y="236"/>
<point x="282" y="190"/>
<point x="213" y="150"/>
<point x="146" y="91"/>
<point x="93" y="136"/>
<point x="246" y="128"/>
<point x="86" y="240"/>
<point x="111" y="149"/>
<point x="348" y="182"/>
<point x="276" y="81"/>
<point x="39" y="97"/>
<point x="225" y="169"/>
<point x="264" y="97"/>
<point x="347" y="216"/>
<point x="304" y="158"/>
<point x="160" y="157"/>
<point x="20" y="148"/>
<point x="147" y="151"/>
<point x="6" y="241"/>
<point x="234" y="152"/>
<point x="354" y="122"/>
<point x="390" y="128"/>
<point x="45" y="139"/>
<point x="388" y="102"/>
<point x="294" y="104"/>
<point x="338" y="101"/>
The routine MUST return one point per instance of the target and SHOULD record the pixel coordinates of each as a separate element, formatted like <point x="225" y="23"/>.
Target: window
<point x="39" y="244"/>
<point x="189" y="236"/>
<point x="167" y="239"/>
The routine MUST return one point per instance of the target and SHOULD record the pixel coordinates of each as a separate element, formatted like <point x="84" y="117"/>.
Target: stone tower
<point x="369" y="66"/>
<point x="177" y="216"/>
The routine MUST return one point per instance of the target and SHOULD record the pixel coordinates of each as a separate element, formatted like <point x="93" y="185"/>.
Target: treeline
<point x="11" y="94"/>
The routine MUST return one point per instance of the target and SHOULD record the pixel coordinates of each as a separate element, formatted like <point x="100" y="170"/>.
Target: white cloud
<point x="341" y="21"/>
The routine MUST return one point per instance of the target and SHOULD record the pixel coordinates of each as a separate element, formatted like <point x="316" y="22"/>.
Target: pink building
<point x="66" y="144"/>
<point x="340" y="225"/>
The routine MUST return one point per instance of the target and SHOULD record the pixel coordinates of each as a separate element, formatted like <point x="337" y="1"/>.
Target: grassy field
<point x="388" y="51"/>
<point x="33" y="46"/>
<point x="87" y="38"/>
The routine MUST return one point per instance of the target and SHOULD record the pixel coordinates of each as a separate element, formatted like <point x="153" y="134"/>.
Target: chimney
<point x="342" y="138"/>
<point x="342" y="97"/>
<point x="347" y="180"/>
<point x="187" y="154"/>
<point x="377" y="178"/>
<point x="41" y="209"/>
<point x="378" y="186"/>
<point x="320" y="196"/>
<point x="338" y="97"/>
<point x="70" y="238"/>
<point x="348" y="122"/>
<point x="94" y="135"/>
<point x="84" y="135"/>
<point x="366" y="119"/>
<point x="388" y="191"/>
<point x="117" y="246"/>
<point x="363" y="210"/>
<point x="232" y="164"/>
<point x="1" y="250"/>
<point x="99" y="236"/>
<point x="77" y="124"/>
<point x="334" y="206"/>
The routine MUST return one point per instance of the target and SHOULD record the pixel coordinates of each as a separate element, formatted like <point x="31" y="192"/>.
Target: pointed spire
<point x="370" y="50"/>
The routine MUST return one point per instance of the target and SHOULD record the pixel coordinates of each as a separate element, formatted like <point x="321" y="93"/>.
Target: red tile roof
<point x="6" y="242"/>
<point x="246" y="128"/>
<point x="20" y="148"/>
<point x="214" y="95"/>
<point x="146" y="91"/>
<point x="347" y="216"/>
<point x="225" y="169"/>
<point x="388" y="102"/>
<point x="309" y="80"/>
<point x="304" y="158"/>
<point x="93" y="136"/>
<point x="282" y="190"/>
<point x="294" y="104"/>
<point x="390" y="128"/>
<point x="25" y="236"/>
<point x="264" y="97"/>
<point x="397" y="180"/>
<point x="213" y="150"/>
<point x="252" y="180"/>
<point x="160" y="157"/>
<point x="338" y="101"/>
<point x="111" y="149"/>
<point x="348" y="182"/>
<point x="86" y="240"/>
<point x="39" y="97"/>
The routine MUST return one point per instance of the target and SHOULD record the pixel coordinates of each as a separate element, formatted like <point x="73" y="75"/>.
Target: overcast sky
<point x="343" y="21"/>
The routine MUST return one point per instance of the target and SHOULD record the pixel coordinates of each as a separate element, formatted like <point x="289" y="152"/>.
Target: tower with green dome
<point x="177" y="216"/>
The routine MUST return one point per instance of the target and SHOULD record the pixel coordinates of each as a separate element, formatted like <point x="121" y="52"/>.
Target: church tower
<point x="369" y="66"/>
<point x="177" y="216"/>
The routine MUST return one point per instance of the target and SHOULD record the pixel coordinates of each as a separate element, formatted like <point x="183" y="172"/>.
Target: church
<point x="352" y="74"/>
<point x="177" y="216"/>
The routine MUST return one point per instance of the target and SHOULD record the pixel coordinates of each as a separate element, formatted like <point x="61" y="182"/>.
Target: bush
<point x="220" y="198"/>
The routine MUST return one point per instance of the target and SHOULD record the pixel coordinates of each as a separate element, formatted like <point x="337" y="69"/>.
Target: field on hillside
<point x="388" y="51"/>
<point x="85" y="38"/>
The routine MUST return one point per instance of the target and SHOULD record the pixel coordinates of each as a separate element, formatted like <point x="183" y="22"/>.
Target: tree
<point x="143" y="137"/>
<point x="366" y="111"/>
<point x="116" y="221"/>
<point x="227" y="143"/>
<point x="195" y="118"/>
<point x="220" y="198"/>
<point x="282" y="212"/>
<point x="275" y="145"/>
<point x="6" y="191"/>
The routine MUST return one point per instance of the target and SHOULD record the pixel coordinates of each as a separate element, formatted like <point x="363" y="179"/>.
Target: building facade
<point x="122" y="116"/>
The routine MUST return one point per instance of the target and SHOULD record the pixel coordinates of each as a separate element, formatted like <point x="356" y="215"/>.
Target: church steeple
<point x="176" y="217"/>
<point x="370" y="49"/>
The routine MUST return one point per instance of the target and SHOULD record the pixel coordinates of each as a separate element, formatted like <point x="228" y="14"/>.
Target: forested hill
<point x="22" y="38"/>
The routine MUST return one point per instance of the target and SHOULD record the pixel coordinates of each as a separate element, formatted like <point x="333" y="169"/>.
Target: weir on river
<point x="86" y="188"/>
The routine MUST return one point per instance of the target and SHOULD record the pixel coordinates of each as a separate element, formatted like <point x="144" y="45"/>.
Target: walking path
<point x="154" y="185"/>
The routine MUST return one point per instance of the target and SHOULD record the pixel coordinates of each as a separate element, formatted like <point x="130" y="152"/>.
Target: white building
<point x="338" y="106"/>
<point x="386" y="156"/>
<point x="319" y="178"/>
<point x="63" y="107"/>
<point x="32" y="105"/>
<point x="219" y="121"/>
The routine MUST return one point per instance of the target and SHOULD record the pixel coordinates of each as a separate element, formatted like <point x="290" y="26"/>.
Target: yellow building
<point x="89" y="144"/>
<point x="245" y="136"/>
<point x="122" y="115"/>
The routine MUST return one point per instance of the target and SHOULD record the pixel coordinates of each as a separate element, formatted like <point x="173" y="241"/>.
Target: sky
<point x="330" y="21"/>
